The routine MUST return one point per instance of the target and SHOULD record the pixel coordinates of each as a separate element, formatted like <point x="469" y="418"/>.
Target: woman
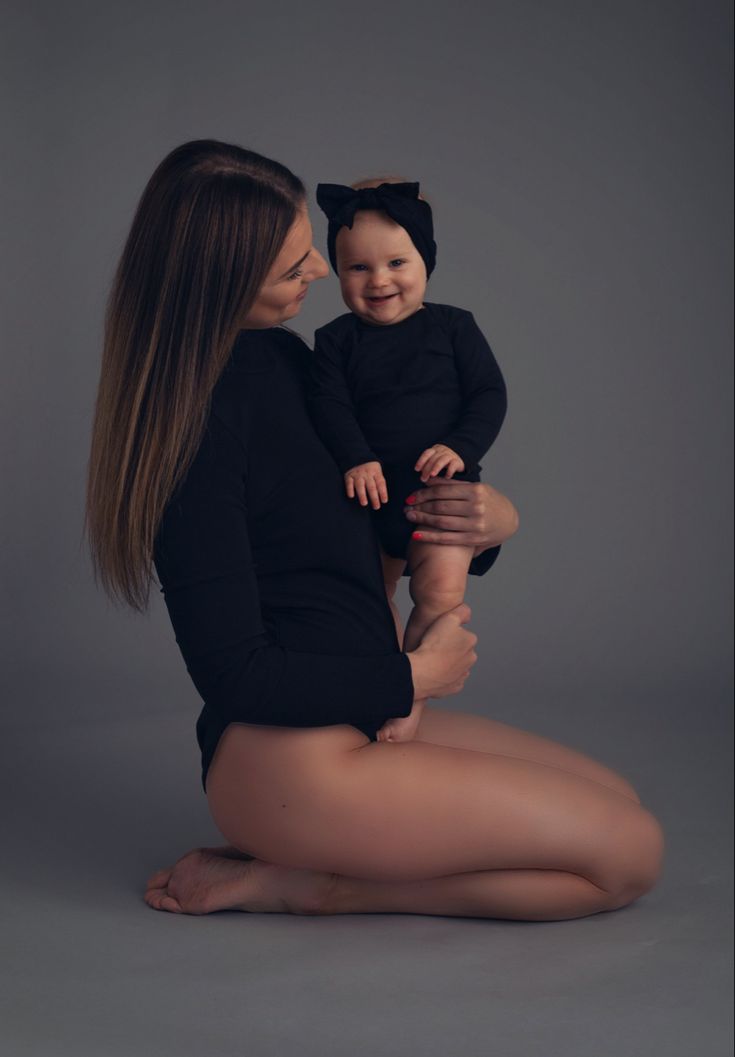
<point x="204" y="463"/>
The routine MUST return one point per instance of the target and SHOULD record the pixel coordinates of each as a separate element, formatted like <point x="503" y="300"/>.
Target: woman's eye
<point x="295" y="275"/>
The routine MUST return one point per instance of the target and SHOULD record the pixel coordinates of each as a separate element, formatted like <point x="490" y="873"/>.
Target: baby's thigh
<point x="392" y="571"/>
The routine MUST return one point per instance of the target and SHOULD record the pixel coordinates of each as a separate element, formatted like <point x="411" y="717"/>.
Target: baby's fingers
<point x="455" y="465"/>
<point x="374" y="492"/>
<point x="423" y="458"/>
<point x="350" y="487"/>
<point x="439" y="463"/>
<point x="361" y="491"/>
<point x="433" y="465"/>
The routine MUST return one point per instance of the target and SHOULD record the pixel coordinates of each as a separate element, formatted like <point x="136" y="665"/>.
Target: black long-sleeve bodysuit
<point x="385" y="393"/>
<point x="271" y="576"/>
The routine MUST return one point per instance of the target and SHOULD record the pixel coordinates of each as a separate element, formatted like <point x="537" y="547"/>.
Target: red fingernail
<point x="411" y="499"/>
<point x="417" y="535"/>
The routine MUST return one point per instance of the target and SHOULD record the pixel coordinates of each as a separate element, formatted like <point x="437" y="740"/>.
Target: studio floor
<point x="90" y="971"/>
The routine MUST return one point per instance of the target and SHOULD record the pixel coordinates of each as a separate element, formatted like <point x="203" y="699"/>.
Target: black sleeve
<point x="332" y="409"/>
<point x="483" y="389"/>
<point x="205" y="567"/>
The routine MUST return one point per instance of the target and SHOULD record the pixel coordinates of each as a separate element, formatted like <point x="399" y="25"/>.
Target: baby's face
<point x="382" y="274"/>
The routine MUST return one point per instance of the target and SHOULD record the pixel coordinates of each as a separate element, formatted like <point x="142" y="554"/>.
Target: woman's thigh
<point x="329" y="799"/>
<point x="465" y="730"/>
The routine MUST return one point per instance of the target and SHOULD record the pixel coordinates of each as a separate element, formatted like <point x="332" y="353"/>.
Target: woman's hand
<point x="442" y="661"/>
<point x="366" y="481"/>
<point x="470" y="513"/>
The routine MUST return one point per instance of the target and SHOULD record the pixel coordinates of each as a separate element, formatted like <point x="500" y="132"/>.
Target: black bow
<point x="400" y="201"/>
<point x="340" y="203"/>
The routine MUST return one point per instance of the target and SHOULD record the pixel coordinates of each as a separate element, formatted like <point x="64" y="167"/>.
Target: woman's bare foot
<point x="210" y="879"/>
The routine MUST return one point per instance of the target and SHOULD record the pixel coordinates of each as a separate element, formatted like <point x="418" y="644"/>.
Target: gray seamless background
<point x="579" y="161"/>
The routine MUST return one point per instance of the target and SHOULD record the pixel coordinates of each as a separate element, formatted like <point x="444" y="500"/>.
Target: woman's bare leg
<point x="466" y="730"/>
<point x="421" y="828"/>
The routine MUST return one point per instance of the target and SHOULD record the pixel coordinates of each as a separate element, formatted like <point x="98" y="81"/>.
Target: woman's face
<point x="286" y="285"/>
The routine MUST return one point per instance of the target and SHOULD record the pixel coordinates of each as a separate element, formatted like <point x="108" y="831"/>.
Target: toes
<point x="169" y="903"/>
<point x="159" y="899"/>
<point x="160" y="878"/>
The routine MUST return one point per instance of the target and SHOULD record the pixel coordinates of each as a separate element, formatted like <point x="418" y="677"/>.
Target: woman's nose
<point x="318" y="267"/>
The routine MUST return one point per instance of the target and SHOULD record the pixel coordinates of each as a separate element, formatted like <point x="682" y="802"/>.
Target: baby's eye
<point x="357" y="267"/>
<point x="397" y="262"/>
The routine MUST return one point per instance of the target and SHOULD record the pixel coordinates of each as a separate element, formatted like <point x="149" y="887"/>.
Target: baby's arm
<point x="483" y="391"/>
<point x="332" y="408"/>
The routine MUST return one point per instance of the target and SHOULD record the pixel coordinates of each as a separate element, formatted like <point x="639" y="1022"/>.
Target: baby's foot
<point x="210" y="879"/>
<point x="402" y="728"/>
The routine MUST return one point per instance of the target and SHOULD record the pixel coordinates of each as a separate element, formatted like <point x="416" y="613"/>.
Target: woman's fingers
<point x="462" y="612"/>
<point x="459" y="491"/>
<point x="449" y="512"/>
<point x="436" y="528"/>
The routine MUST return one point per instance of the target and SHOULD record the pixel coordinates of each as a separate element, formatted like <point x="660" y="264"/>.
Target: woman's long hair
<point x="208" y="228"/>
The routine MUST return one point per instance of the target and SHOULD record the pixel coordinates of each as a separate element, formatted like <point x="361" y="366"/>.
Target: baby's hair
<point x="376" y="181"/>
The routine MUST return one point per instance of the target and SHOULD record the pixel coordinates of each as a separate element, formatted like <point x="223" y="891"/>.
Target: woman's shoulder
<point x="256" y="351"/>
<point x="258" y="366"/>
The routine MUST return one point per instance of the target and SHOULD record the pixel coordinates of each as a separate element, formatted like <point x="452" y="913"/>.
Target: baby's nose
<point x="378" y="278"/>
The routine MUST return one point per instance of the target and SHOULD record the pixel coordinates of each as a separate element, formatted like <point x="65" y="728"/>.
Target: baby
<point x="402" y="390"/>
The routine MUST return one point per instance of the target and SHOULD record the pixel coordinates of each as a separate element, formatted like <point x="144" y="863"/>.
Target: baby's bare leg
<point x="438" y="583"/>
<point x="392" y="573"/>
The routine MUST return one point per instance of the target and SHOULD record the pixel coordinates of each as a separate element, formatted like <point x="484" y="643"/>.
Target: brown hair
<point x="210" y="224"/>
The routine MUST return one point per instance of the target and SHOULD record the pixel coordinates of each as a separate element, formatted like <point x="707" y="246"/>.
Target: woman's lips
<point x="302" y="295"/>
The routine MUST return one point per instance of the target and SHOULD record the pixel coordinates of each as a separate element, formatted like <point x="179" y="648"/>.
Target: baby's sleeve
<point x="332" y="408"/>
<point x="205" y="567"/>
<point x="484" y="397"/>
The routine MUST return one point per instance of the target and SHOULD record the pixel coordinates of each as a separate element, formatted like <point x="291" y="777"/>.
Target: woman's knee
<point x="640" y="861"/>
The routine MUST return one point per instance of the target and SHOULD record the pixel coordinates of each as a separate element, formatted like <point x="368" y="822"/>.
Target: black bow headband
<point x="400" y="201"/>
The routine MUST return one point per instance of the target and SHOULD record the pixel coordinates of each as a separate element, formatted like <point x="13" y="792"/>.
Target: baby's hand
<point x="437" y="458"/>
<point x="367" y="480"/>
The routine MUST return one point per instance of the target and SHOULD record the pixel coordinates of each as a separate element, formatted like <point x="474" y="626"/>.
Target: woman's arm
<point x="208" y="577"/>
<point x="473" y="514"/>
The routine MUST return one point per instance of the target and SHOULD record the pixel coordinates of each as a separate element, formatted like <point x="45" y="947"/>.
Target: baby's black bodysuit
<point x="386" y="393"/>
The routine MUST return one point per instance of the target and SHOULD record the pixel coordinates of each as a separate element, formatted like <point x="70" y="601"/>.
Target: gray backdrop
<point x="579" y="160"/>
